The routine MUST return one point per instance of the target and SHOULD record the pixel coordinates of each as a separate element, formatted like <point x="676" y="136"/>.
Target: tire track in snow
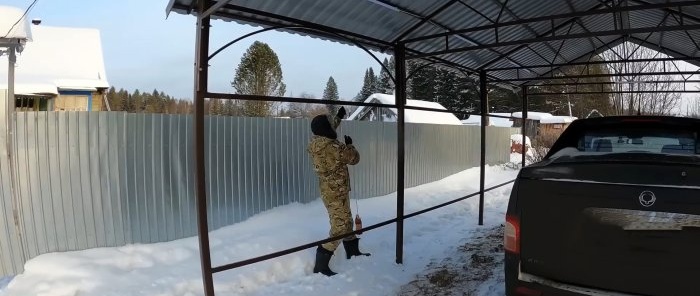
<point x="474" y="268"/>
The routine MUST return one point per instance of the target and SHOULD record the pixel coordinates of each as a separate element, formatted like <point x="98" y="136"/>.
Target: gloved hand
<point x="348" y="140"/>
<point x="342" y="112"/>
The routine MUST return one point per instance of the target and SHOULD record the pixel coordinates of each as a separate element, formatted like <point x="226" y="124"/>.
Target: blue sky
<point x="144" y="50"/>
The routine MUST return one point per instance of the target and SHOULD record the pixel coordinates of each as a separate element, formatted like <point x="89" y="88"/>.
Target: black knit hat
<point x="321" y="126"/>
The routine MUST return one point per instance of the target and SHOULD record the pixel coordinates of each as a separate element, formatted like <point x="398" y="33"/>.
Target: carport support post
<point x="201" y="72"/>
<point x="522" y="126"/>
<point x="400" y="77"/>
<point x="484" y="102"/>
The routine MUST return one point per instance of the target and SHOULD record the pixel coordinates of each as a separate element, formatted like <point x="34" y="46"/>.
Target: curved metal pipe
<point x="391" y="76"/>
<point x="433" y="63"/>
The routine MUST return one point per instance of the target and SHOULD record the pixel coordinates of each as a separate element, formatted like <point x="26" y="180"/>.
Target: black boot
<point x="323" y="256"/>
<point x="352" y="248"/>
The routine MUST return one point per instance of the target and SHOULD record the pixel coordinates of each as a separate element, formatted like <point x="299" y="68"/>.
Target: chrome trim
<point x="621" y="184"/>
<point x="525" y="277"/>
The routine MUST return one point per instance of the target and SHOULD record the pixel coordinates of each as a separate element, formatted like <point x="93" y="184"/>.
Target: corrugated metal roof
<point x="378" y="24"/>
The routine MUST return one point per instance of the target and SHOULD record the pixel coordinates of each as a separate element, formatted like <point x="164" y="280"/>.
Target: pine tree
<point x="366" y="88"/>
<point x="216" y="107"/>
<point x="137" y="102"/>
<point x="150" y="102"/>
<point x="125" y="100"/>
<point x="386" y="85"/>
<point x="446" y="89"/>
<point x="259" y="73"/>
<point x="230" y="108"/>
<point x="503" y="100"/>
<point x="113" y="99"/>
<point x="422" y="82"/>
<point x="331" y="93"/>
<point x="374" y="82"/>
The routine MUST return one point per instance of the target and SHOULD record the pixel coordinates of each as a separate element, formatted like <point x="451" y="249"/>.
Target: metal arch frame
<point x="560" y="37"/>
<point x="402" y="53"/>
<point x="425" y="19"/>
<point x="324" y="31"/>
<point x="431" y="63"/>
<point x="201" y="93"/>
<point x="570" y="16"/>
<point x="232" y="42"/>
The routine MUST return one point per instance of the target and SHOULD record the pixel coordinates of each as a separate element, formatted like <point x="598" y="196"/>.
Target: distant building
<point x="541" y="123"/>
<point x="411" y="116"/>
<point x="61" y="69"/>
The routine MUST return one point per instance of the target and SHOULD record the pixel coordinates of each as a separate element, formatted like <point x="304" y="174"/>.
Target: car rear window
<point x="638" y="140"/>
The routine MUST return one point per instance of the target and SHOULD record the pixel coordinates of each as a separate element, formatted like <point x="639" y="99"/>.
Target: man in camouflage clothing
<point x="330" y="159"/>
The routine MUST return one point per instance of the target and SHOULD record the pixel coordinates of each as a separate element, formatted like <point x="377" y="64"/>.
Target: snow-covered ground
<point x="4" y="281"/>
<point x="172" y="268"/>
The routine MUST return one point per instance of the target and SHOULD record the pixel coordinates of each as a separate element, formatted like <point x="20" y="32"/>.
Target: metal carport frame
<point x="488" y="46"/>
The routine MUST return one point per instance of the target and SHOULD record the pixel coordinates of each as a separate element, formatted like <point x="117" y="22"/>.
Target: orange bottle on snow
<point x="358" y="223"/>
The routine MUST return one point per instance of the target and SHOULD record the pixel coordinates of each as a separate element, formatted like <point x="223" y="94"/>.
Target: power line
<point x="20" y="19"/>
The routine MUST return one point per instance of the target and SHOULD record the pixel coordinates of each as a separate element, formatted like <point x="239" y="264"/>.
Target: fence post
<point x="483" y="95"/>
<point x="400" y="77"/>
<point x="522" y="127"/>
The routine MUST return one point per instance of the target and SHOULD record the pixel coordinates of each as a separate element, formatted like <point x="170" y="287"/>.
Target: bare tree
<point x="645" y="94"/>
<point x="305" y="110"/>
<point x="693" y="107"/>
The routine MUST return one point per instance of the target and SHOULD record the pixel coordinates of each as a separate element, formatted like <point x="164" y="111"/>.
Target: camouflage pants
<point x="338" y="207"/>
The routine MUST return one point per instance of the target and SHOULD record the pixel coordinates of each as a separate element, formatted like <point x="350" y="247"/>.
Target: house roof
<point x="493" y="121"/>
<point x="412" y="116"/>
<point x="67" y="58"/>
<point x="13" y="25"/>
<point x="558" y="119"/>
<point x="482" y="34"/>
<point x="33" y="89"/>
<point x="545" y="118"/>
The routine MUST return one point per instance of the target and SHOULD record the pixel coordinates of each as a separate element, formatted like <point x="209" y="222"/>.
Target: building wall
<point x="103" y="179"/>
<point x="79" y="101"/>
<point x="552" y="130"/>
<point x="98" y="102"/>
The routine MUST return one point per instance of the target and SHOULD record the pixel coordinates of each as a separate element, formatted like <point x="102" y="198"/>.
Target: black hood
<point x="320" y="126"/>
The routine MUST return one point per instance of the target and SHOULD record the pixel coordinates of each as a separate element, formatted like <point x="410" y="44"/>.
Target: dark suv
<point x="613" y="209"/>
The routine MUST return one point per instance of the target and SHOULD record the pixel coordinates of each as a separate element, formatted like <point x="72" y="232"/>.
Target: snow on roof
<point x="33" y="89"/>
<point x="68" y="58"/>
<point x="493" y="121"/>
<point x="545" y="118"/>
<point x="12" y="16"/>
<point x="557" y="119"/>
<point x="412" y="116"/>
<point x="532" y="115"/>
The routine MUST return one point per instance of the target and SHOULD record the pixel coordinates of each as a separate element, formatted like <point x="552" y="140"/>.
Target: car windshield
<point x="632" y="140"/>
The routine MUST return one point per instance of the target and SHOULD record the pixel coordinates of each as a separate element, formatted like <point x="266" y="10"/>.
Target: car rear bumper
<point x="519" y="283"/>
<point x="549" y="287"/>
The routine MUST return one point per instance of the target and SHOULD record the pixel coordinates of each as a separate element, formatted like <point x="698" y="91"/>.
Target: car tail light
<point x="523" y="291"/>
<point x="511" y="240"/>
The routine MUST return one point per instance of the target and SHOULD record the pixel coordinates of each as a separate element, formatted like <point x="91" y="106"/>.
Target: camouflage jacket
<point x="330" y="159"/>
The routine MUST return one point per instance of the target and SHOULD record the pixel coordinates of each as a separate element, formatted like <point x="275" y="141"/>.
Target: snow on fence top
<point x="412" y="116"/>
<point x="8" y="17"/>
<point x="64" y="58"/>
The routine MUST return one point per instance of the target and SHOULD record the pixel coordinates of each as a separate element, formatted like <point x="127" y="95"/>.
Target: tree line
<point x="145" y="102"/>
